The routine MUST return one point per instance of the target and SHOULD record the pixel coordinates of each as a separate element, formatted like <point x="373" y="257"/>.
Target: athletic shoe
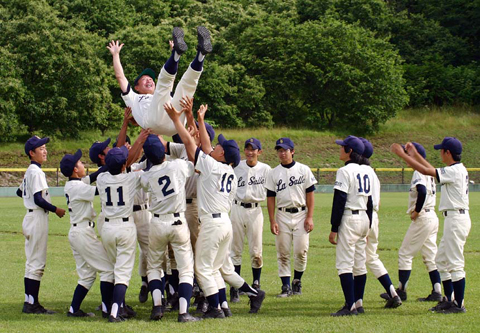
<point x="234" y="297"/>
<point x="256" y="301"/>
<point x="174" y="302"/>
<point x="256" y="285"/>
<point x="179" y="44"/>
<point x="143" y="295"/>
<point x="401" y="293"/>
<point x="187" y="317"/>
<point x="202" y="306"/>
<point x="393" y="302"/>
<point x="214" y="313"/>
<point x="360" y="310"/>
<point x="227" y="312"/>
<point x="454" y="309"/>
<point x="345" y="311"/>
<point x="297" y="287"/>
<point x="105" y="315"/>
<point x="157" y="313"/>
<point x="35" y="308"/>
<point x="442" y="305"/>
<point x="80" y="313"/>
<point x="127" y="312"/>
<point x="241" y="293"/>
<point x="433" y="297"/>
<point x="118" y="319"/>
<point x="204" y="42"/>
<point x="286" y="291"/>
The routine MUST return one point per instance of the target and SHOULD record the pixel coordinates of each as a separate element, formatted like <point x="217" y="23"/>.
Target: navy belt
<point x="189" y="201"/>
<point x="216" y="215"/>
<point x="293" y="210"/>
<point x="90" y="224"/>
<point x="70" y="210"/>
<point x="247" y="204"/>
<point x="136" y="208"/>
<point x="355" y="212"/>
<point x="461" y="211"/>
<point x="124" y="219"/>
<point x="31" y="210"/>
<point x="174" y="215"/>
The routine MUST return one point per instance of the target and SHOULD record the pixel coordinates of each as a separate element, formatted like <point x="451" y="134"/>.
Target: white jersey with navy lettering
<point x="216" y="186"/>
<point x="251" y="181"/>
<point x="376" y="186"/>
<point x="177" y="150"/>
<point x="454" y="181"/>
<point x="290" y="184"/>
<point x="80" y="198"/>
<point x="354" y="180"/>
<point x="429" y="183"/>
<point x="34" y="181"/>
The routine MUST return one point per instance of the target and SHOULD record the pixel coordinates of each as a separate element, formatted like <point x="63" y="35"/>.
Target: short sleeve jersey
<point x="177" y="150"/>
<point x="290" y="184"/>
<point x="166" y="184"/>
<point x="376" y="186"/>
<point x="251" y="181"/>
<point x="117" y="193"/>
<point x="429" y="183"/>
<point x="34" y="181"/>
<point x="216" y="186"/>
<point x="354" y="180"/>
<point x="139" y="103"/>
<point x="80" y="198"/>
<point x="454" y="181"/>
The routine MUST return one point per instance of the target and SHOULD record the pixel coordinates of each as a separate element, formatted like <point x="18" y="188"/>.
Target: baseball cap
<point x="211" y="133"/>
<point x="284" y="143"/>
<point x="35" y="142"/>
<point x="154" y="149"/>
<point x="127" y="139"/>
<point x="116" y="158"/>
<point x="450" y="143"/>
<point x="419" y="148"/>
<point x="353" y="142"/>
<point x="368" y="152"/>
<point x="255" y="143"/>
<point x="147" y="71"/>
<point x="231" y="150"/>
<point x="68" y="162"/>
<point x="97" y="148"/>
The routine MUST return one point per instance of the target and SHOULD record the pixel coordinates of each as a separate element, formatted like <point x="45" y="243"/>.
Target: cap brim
<point x="437" y="147"/>
<point x="221" y="139"/>
<point x="282" y="145"/>
<point x="340" y="142"/>
<point x="78" y="155"/>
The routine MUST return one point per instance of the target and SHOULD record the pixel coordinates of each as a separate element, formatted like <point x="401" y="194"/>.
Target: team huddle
<point x="190" y="205"/>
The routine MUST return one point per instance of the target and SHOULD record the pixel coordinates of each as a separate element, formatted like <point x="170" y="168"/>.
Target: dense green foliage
<point x="348" y="64"/>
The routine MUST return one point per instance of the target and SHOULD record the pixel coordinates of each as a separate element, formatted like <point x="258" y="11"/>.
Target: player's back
<point x="454" y="191"/>
<point x="117" y="193"/>
<point x="80" y="201"/>
<point x="354" y="180"/>
<point x="430" y="186"/>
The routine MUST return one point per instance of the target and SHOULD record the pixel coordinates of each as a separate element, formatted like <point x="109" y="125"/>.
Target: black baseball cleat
<point x="297" y="287"/>
<point x="345" y="311"/>
<point x="117" y="319"/>
<point x="234" y="297"/>
<point x="179" y="44"/>
<point x="227" y="312"/>
<point x="127" y="312"/>
<point x="444" y="304"/>
<point x="214" y="313"/>
<point x="174" y="302"/>
<point x="433" y="297"/>
<point x="204" y="43"/>
<point x="105" y="315"/>
<point x="80" y="313"/>
<point x="360" y="310"/>
<point x="401" y="293"/>
<point x="256" y="301"/>
<point x="157" y="313"/>
<point x="256" y="285"/>
<point x="393" y="302"/>
<point x="454" y="309"/>
<point x="187" y="318"/>
<point x="202" y="306"/>
<point x="286" y="291"/>
<point x="143" y="295"/>
<point x="35" y="308"/>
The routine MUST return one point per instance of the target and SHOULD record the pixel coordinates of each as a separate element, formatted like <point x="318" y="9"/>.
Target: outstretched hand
<point x="187" y="104"/>
<point x="201" y="112"/>
<point x="115" y="47"/>
<point x="172" y="112"/>
<point x="397" y="149"/>
<point x="144" y="135"/>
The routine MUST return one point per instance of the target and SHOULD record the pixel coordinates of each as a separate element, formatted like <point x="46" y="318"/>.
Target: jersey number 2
<point x="366" y="184"/>
<point x="167" y="181"/>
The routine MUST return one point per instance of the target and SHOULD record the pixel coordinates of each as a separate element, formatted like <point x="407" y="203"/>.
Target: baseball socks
<point x="204" y="47"/>
<point x="179" y="47"/>
<point x="388" y="285"/>
<point x="119" y="292"/>
<point x="403" y="277"/>
<point x="106" y="289"/>
<point x="348" y="288"/>
<point x="222" y="298"/>
<point x="359" y="282"/>
<point x="157" y="288"/>
<point x="459" y="292"/>
<point x="256" y="272"/>
<point x="143" y="295"/>
<point x="78" y="297"/>
<point x="448" y="289"/>
<point x="436" y="281"/>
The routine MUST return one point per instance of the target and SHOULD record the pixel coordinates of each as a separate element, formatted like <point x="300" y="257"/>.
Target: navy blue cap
<point x="255" y="143"/>
<point x="368" y="152"/>
<point x="284" y="143"/>
<point x="97" y="148"/>
<point x="353" y="142"/>
<point x="154" y="149"/>
<point x="419" y="148"/>
<point x="450" y="143"/>
<point x="147" y="71"/>
<point x="35" y="142"/>
<point x="68" y="162"/>
<point x="211" y="133"/>
<point x="231" y="150"/>
<point x="127" y="139"/>
<point x="116" y="158"/>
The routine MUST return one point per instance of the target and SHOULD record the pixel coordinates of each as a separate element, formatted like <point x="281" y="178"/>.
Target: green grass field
<point x="307" y="313"/>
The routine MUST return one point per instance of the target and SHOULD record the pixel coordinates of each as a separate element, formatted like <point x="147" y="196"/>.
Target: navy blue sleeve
<point x="422" y="195"/>
<point x="196" y="155"/>
<point x="167" y="149"/>
<point x="271" y="194"/>
<point x="310" y="189"/>
<point x="339" y="201"/>
<point x="19" y="192"/>
<point x="128" y="90"/>
<point x="93" y="176"/>
<point x="96" y="191"/>
<point x="42" y="203"/>
<point x="370" y="210"/>
<point x="438" y="177"/>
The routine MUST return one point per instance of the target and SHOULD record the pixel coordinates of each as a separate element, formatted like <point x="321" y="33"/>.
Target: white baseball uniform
<point x="119" y="235"/>
<point x="422" y="232"/>
<point x="290" y="185"/>
<point x="246" y="214"/>
<point x="100" y="216"/>
<point x="454" y="205"/>
<point x="89" y="254"/>
<point x="148" y="110"/>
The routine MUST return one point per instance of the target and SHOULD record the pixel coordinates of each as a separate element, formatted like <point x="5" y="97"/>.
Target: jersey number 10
<point x="366" y="184"/>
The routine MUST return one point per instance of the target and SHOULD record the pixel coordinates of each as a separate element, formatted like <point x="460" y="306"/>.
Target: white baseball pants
<point x="142" y="223"/>
<point x="351" y="243"/>
<point x="373" y="261"/>
<point x="35" y="230"/>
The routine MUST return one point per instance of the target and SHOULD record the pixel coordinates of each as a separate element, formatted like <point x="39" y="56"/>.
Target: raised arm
<point x="204" y="138"/>
<point x="136" y="150"/>
<point x="187" y="139"/>
<point x="424" y="168"/>
<point x="187" y="107"/>
<point x="122" y="136"/>
<point x="115" y="47"/>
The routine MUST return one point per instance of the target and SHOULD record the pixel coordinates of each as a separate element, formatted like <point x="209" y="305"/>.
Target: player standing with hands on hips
<point x="291" y="185"/>
<point x="454" y="205"/>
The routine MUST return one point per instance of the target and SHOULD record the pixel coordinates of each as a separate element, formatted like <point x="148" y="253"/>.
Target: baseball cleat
<point x="286" y="291"/>
<point x="227" y="312"/>
<point x="442" y="305"/>
<point x="360" y="310"/>
<point x="234" y="297"/>
<point x="433" y="297"/>
<point x="187" y="318"/>
<point x="256" y="301"/>
<point x="157" y="313"/>
<point x="80" y="313"/>
<point x="345" y="311"/>
<point x="453" y="309"/>
<point x="297" y="287"/>
<point x="204" y="42"/>
<point x="256" y="285"/>
<point x="143" y="295"/>
<point x="202" y="306"/>
<point x="35" y="308"/>
<point x="393" y="303"/>
<point x="214" y="313"/>
<point x="118" y="319"/>
<point x="179" y="44"/>
<point x="127" y="312"/>
<point x="401" y="293"/>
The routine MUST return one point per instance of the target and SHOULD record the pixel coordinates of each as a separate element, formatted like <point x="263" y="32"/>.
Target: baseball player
<point x="290" y="186"/>
<point x="421" y="236"/>
<point x="89" y="254"/>
<point x="216" y="187"/>
<point x="147" y="103"/>
<point x="246" y="214"/>
<point x="117" y="191"/>
<point x="165" y="182"/>
<point x="34" y="191"/>
<point x="454" y="205"/>
<point x="373" y="261"/>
